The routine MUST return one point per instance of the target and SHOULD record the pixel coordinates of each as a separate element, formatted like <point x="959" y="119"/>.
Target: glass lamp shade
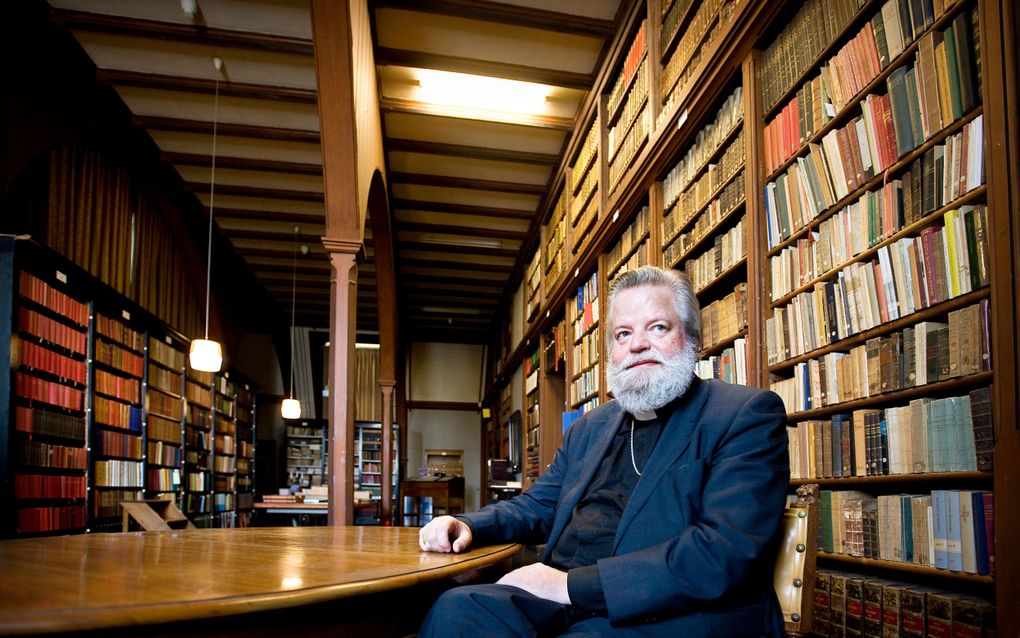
<point x="206" y="355"/>
<point x="291" y="409"/>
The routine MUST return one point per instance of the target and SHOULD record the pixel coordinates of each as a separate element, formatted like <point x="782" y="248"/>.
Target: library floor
<point x="278" y="581"/>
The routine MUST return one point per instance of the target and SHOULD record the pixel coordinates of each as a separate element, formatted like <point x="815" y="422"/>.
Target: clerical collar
<point x="648" y="415"/>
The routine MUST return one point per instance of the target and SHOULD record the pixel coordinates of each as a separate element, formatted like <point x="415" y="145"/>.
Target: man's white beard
<point x="643" y="390"/>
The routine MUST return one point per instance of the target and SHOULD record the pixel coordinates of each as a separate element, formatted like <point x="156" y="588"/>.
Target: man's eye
<point x="659" y="328"/>
<point x="622" y="335"/>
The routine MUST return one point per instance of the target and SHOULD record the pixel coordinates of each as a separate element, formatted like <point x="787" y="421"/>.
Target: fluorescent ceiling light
<point x="470" y="242"/>
<point x="481" y="92"/>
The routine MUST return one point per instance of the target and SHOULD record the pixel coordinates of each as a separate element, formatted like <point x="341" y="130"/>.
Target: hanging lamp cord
<point x="212" y="202"/>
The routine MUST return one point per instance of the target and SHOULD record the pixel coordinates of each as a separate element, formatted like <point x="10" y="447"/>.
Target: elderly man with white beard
<point x="661" y="510"/>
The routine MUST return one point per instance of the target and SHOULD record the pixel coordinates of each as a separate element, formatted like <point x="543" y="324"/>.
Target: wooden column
<point x="334" y="74"/>
<point x="386" y="509"/>
<point x="343" y="301"/>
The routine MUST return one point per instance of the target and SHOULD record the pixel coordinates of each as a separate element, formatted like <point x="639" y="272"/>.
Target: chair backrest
<point x="794" y="576"/>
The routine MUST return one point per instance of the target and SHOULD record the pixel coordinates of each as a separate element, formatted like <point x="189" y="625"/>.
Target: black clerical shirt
<point x="591" y="530"/>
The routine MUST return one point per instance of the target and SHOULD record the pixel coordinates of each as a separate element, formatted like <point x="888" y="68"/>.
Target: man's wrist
<point x="585" y="590"/>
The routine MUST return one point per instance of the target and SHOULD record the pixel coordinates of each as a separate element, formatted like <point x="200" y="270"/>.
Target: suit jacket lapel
<point x="674" y="441"/>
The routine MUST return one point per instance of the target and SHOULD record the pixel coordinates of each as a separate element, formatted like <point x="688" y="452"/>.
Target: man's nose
<point x="639" y="341"/>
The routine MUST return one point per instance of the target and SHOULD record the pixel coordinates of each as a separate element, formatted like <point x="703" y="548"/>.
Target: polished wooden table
<point x="279" y="581"/>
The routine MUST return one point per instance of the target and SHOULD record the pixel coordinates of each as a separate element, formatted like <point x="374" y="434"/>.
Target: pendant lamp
<point x="291" y="407"/>
<point x="206" y="355"/>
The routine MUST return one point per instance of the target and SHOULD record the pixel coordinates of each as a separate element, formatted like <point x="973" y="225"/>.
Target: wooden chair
<point x="153" y="515"/>
<point x="794" y="577"/>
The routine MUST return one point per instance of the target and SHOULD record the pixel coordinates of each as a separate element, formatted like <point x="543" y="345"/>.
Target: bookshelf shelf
<point x="909" y="568"/>
<point x="954" y="478"/>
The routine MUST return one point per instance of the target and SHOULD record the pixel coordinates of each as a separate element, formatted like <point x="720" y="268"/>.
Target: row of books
<point x="106" y="502"/>
<point x="170" y="357"/>
<point x="726" y="172"/>
<point x="629" y="146"/>
<point x="51" y="331"/>
<point x="811" y="186"/>
<point x="197" y="417"/>
<point x="30" y="452"/>
<point x="945" y="529"/>
<point x="951" y="434"/>
<point x="552" y="250"/>
<point x="672" y="11"/>
<point x="586" y="155"/>
<point x="196" y="481"/>
<point x="162" y="404"/>
<point x="162" y="479"/>
<point x="163" y="429"/>
<point x="45" y="486"/>
<point x="847" y="604"/>
<point x="165" y="380"/>
<point x="32" y="356"/>
<point x="196" y="503"/>
<point x="730" y="365"/>
<point x="36" y="290"/>
<point x="925" y="353"/>
<point x="632" y="106"/>
<point x="118" y="473"/>
<point x="809" y="32"/>
<point x="724" y="318"/>
<point x="707" y="142"/>
<point x="116" y="386"/>
<point x="636" y="232"/>
<point x="48" y="519"/>
<point x="198" y="395"/>
<point x="585" y="386"/>
<point x="52" y="393"/>
<point x="584" y="221"/>
<point x="937" y="87"/>
<point x="710" y="18"/>
<point x="223" y="462"/>
<point x="164" y="453"/>
<point x="586" y="307"/>
<point x="224" y="404"/>
<point x="907" y="276"/>
<point x="118" y="444"/>
<point x="117" y="357"/>
<point x="718" y="210"/>
<point x="39" y="422"/>
<point x="117" y="331"/>
<point x="727" y="250"/>
<point x="114" y="414"/>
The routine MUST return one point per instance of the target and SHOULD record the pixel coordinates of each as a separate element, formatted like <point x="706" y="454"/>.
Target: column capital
<point x="345" y="246"/>
<point x="387" y="384"/>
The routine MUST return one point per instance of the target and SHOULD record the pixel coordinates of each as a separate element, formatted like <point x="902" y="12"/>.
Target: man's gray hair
<point x="686" y="302"/>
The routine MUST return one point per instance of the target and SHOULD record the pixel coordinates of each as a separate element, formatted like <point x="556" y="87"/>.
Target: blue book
<point x="938" y="519"/>
<point x="980" y="539"/>
<point x="570" y="417"/>
<point x="907" y="528"/>
<point x="954" y="538"/>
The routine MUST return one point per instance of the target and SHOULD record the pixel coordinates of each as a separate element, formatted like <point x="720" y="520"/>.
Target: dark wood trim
<point x="268" y="215"/>
<point x="421" y="60"/>
<point x="175" y="83"/>
<point x="508" y="14"/>
<point x="190" y="33"/>
<point x="471" y="152"/>
<point x="457" y="250"/>
<point x="224" y="129"/>
<point x="397" y="177"/>
<point x="242" y="163"/>
<point x="460" y="209"/>
<point x="496" y="286"/>
<point x="453" y="229"/>
<point x="461" y="406"/>
<point x="255" y="191"/>
<point x="415" y="107"/>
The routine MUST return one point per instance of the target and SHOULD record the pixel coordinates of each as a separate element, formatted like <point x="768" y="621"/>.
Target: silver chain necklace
<point x="633" y="463"/>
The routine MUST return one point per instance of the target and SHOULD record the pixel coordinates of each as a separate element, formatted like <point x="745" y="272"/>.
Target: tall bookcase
<point x="820" y="170"/>
<point x="306" y="458"/>
<point x="97" y="407"/>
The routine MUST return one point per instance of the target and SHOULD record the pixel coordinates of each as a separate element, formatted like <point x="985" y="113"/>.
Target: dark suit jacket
<point x="696" y="544"/>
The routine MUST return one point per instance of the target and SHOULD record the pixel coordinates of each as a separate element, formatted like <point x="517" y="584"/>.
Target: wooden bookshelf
<point x="752" y="100"/>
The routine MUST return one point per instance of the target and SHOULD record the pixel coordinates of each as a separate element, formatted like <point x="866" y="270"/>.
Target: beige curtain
<point x="368" y="397"/>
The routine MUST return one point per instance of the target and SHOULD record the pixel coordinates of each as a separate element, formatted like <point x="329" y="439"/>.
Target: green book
<point x="955" y="98"/>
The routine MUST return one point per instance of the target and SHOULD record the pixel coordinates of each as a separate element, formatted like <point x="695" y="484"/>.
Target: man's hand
<point x="539" y="580"/>
<point x="445" y="534"/>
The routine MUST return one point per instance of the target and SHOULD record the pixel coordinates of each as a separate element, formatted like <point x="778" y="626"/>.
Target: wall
<point x="448" y="373"/>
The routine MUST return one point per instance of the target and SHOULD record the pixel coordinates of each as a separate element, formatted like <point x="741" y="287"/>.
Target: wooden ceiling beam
<point x="468" y="183"/>
<point x="270" y="235"/>
<point x="198" y="34"/>
<point x="385" y="56"/>
<point x="509" y="14"/>
<point x="460" y="209"/>
<point x="439" y="263"/>
<point x="464" y="231"/>
<point x="224" y="128"/>
<point x="268" y="215"/>
<point x="255" y="191"/>
<point x="458" y="250"/>
<point x="416" y="107"/>
<point x="242" y="163"/>
<point x="160" y="82"/>
<point x="470" y="152"/>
